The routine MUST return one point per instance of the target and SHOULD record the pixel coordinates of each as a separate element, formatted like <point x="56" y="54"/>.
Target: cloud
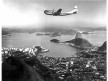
<point x="30" y="13"/>
<point x="18" y="14"/>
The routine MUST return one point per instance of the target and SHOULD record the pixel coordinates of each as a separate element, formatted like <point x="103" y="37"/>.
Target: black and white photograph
<point x="54" y="40"/>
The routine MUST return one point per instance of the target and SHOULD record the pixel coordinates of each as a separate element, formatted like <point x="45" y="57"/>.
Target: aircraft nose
<point x="45" y="11"/>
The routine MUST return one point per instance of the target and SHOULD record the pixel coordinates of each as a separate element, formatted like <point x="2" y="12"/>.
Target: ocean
<point x="26" y="40"/>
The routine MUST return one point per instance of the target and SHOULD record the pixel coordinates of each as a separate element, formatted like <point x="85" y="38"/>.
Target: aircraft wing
<point x="58" y="12"/>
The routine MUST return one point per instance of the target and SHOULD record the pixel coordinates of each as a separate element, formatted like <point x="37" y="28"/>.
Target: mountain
<point x="69" y="32"/>
<point x="54" y="34"/>
<point x="90" y="29"/>
<point x="80" y="42"/>
<point x="61" y="30"/>
<point x="26" y="69"/>
<point x="5" y="33"/>
<point x="103" y="47"/>
<point x="78" y="35"/>
<point x="14" y="69"/>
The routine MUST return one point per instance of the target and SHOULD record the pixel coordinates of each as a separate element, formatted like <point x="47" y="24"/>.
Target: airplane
<point x="59" y="13"/>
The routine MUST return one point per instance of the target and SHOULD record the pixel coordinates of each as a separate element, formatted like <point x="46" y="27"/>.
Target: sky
<point x="25" y="13"/>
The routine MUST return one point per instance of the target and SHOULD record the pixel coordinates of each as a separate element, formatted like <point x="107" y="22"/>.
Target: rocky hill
<point x="78" y="35"/>
<point x="55" y="41"/>
<point x="103" y="47"/>
<point x="80" y="42"/>
<point x="26" y="69"/>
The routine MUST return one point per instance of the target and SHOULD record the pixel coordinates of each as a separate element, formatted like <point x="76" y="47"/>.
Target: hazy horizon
<point x="67" y="30"/>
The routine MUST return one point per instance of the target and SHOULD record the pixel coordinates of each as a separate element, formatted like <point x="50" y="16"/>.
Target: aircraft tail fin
<point x="75" y="7"/>
<point x="59" y="11"/>
<point x="75" y="10"/>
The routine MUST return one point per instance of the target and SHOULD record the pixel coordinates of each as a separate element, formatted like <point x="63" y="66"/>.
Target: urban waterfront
<point x="56" y="61"/>
<point x="86" y="66"/>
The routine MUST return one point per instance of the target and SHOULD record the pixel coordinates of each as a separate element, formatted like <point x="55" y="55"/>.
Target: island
<point x="79" y="43"/>
<point x="55" y="40"/>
